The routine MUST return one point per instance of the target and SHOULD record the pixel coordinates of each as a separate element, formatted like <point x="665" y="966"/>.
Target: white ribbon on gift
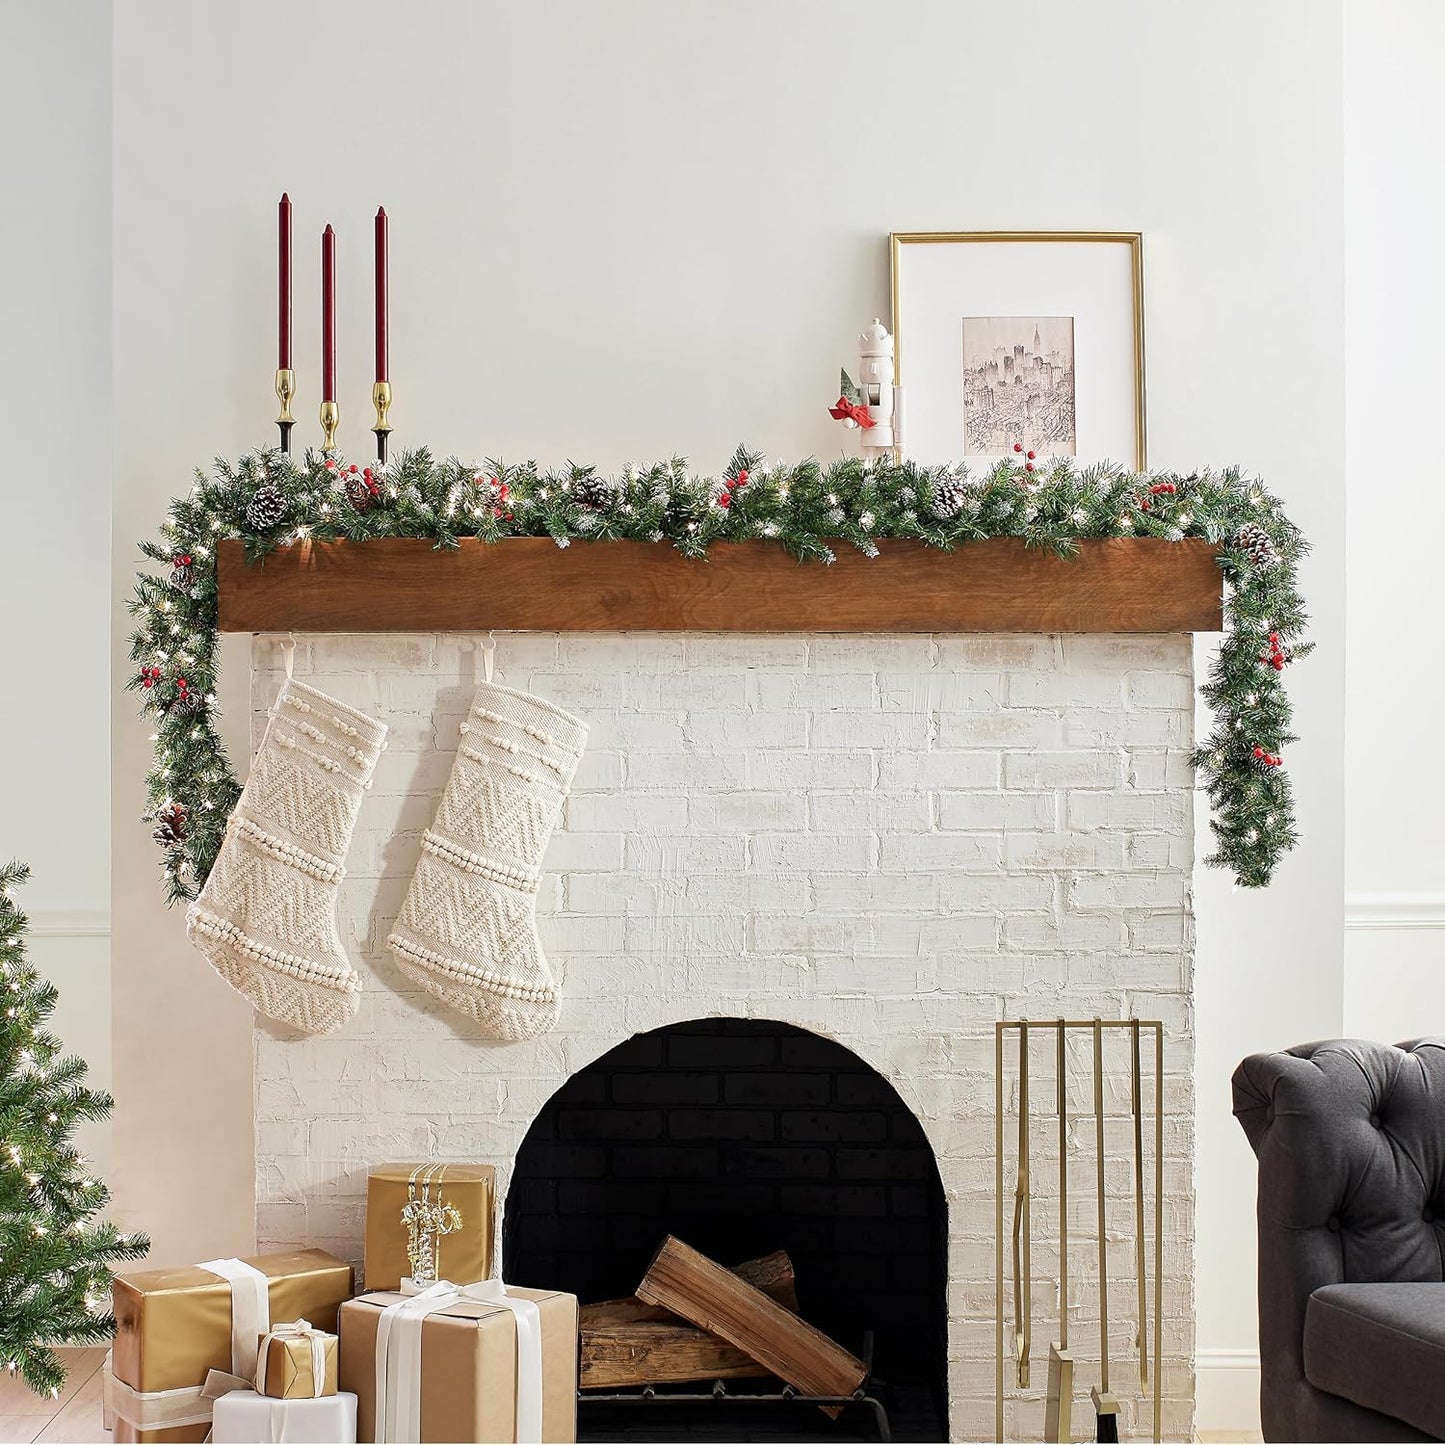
<point x="193" y="1404"/>
<point x="398" y="1359"/>
<point x="158" y="1409"/>
<point x="250" y="1312"/>
<point x="296" y="1330"/>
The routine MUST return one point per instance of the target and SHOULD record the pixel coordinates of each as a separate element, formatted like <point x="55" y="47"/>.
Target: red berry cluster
<point x="149" y="676"/>
<point x="731" y="485"/>
<point x="1029" y="457"/>
<point x="183" y="560"/>
<point x="1276" y="657"/>
<point x="183" y="690"/>
<point x="1267" y="759"/>
<point x="361" y="485"/>
<point x="1159" y="489"/>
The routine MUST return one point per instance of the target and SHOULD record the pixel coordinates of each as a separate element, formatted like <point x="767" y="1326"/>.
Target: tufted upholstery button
<point x="1374" y="1121"/>
<point x="1269" y="1115"/>
<point x="1428" y="1215"/>
<point x="1332" y="1224"/>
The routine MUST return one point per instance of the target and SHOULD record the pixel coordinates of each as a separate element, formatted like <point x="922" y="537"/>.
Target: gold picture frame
<point x="1133" y="240"/>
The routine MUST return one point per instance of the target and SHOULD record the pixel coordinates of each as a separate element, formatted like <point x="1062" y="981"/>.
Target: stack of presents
<point x="279" y="1347"/>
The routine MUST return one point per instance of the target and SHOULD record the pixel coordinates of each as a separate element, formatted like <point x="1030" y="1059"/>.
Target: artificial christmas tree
<point x="55" y="1261"/>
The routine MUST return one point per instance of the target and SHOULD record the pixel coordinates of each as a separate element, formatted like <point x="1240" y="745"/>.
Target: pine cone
<point x="182" y="573"/>
<point x="948" y="499"/>
<point x="266" y="508"/>
<point x="361" y="491"/>
<point x="170" y="828"/>
<point x="598" y="493"/>
<point x="1255" y="543"/>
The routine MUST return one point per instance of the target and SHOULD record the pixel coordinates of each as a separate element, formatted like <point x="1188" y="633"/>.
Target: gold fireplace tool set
<point x="1060" y="1397"/>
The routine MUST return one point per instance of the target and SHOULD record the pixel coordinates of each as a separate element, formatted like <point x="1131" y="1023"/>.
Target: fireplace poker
<point x="1141" y="1339"/>
<point x="1106" y="1407"/>
<point x="1023" y="1270"/>
<point x="1059" y="1404"/>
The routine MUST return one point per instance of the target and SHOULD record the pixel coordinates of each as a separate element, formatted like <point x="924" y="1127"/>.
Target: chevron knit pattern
<point x="468" y="929"/>
<point x="266" y="918"/>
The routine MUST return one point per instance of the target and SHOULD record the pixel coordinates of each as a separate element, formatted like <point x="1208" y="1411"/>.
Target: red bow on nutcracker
<point x="852" y="412"/>
<point x="850" y="408"/>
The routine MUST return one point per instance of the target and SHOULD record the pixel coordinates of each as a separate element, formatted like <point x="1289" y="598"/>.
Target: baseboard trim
<point x="1226" y="1360"/>
<point x="1226" y="1391"/>
<point x="69" y="923"/>
<point x="1388" y="911"/>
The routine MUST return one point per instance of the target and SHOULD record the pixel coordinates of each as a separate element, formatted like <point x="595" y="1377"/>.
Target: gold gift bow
<point x="426" y="1222"/>
<point x="296" y="1330"/>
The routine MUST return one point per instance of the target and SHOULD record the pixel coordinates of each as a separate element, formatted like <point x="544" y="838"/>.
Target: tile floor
<point x="75" y="1416"/>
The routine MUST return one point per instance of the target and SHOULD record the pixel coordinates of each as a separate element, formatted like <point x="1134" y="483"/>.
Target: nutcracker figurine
<point x="874" y="405"/>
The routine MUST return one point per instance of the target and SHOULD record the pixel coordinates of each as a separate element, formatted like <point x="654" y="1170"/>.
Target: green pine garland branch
<point x="55" y="1255"/>
<point x="809" y="508"/>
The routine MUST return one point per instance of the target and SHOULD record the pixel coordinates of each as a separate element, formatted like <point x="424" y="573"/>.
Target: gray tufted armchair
<point x="1350" y="1138"/>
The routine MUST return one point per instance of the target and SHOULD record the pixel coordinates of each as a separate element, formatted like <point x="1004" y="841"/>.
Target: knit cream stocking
<point x="468" y="929"/>
<point x="266" y="916"/>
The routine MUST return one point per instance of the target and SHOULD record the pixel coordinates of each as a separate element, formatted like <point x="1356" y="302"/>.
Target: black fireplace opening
<point x="741" y="1137"/>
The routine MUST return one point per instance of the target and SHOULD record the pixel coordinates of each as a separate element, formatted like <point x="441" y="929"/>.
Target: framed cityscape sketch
<point x="1020" y="338"/>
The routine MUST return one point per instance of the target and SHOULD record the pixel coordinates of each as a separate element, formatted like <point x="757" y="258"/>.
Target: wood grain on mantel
<point x="530" y="584"/>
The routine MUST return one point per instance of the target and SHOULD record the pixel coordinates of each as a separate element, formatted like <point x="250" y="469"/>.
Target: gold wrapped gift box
<point x="287" y="1371"/>
<point x="464" y="1255"/>
<point x="469" y="1367"/>
<point x="173" y="1326"/>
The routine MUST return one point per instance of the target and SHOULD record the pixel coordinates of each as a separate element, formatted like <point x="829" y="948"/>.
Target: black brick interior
<point x="740" y="1137"/>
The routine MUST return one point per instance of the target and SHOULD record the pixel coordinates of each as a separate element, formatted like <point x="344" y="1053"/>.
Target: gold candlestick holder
<point x="285" y="394"/>
<point x="381" y="400"/>
<point x="330" y="420"/>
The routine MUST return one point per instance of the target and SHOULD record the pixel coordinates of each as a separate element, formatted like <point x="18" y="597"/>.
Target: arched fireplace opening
<point x="742" y="1137"/>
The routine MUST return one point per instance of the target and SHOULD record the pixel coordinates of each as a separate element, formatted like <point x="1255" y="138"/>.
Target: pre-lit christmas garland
<point x="269" y="500"/>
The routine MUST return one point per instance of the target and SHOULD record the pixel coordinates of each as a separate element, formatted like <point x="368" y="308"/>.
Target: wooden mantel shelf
<point x="530" y="584"/>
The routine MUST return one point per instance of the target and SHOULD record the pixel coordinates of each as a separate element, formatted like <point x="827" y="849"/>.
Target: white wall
<point x="1394" y="765"/>
<point x="621" y="231"/>
<point x="55" y="542"/>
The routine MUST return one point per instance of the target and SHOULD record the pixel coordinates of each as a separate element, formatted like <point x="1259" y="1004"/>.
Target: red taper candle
<point x="382" y="349"/>
<point x="328" y="315"/>
<point x="283" y="233"/>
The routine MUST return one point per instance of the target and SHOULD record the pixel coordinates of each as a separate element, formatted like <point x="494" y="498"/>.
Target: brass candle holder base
<point x="330" y="420"/>
<point x="381" y="400"/>
<point x="285" y="394"/>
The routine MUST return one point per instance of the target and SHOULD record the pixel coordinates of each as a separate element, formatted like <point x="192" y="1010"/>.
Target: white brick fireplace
<point x="891" y="841"/>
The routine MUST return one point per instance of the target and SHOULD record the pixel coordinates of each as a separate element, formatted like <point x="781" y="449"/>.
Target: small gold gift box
<point x="459" y="1198"/>
<point x="286" y="1367"/>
